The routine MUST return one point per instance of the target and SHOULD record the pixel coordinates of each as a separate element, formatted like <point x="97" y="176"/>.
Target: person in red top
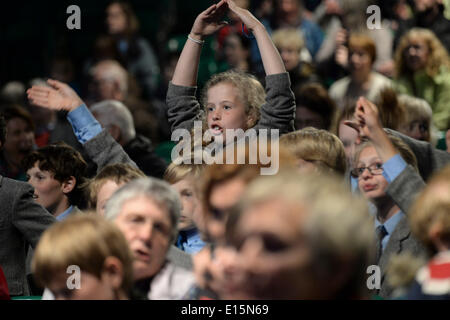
<point x="4" y="292"/>
<point x="430" y="222"/>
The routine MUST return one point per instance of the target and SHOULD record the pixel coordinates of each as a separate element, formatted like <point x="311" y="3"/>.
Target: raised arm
<point x="278" y="112"/>
<point x="183" y="106"/>
<point x="273" y="64"/>
<point x="404" y="181"/>
<point x="97" y="142"/>
<point x="206" y="23"/>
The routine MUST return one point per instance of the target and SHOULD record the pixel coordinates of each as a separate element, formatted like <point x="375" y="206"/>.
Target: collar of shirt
<point x="191" y="235"/>
<point x="390" y="223"/>
<point x="64" y="215"/>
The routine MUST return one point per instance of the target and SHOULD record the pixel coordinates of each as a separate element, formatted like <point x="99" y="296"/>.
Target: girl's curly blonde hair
<point x="438" y="55"/>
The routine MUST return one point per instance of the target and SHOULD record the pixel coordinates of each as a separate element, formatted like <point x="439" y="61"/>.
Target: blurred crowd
<point x="88" y="176"/>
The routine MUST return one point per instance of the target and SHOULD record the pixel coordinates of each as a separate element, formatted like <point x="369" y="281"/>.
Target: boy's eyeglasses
<point x="374" y="169"/>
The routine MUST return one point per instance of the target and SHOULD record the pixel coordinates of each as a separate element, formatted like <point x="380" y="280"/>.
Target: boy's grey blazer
<point x="405" y="188"/>
<point x="22" y="221"/>
<point x="401" y="241"/>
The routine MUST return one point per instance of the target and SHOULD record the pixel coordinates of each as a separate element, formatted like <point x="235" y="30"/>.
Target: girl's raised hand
<point x="210" y="20"/>
<point x="246" y="17"/>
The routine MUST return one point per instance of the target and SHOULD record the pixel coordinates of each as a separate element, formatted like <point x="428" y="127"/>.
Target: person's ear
<point x="112" y="272"/>
<point x="117" y="91"/>
<point x="68" y="185"/>
<point x="251" y="120"/>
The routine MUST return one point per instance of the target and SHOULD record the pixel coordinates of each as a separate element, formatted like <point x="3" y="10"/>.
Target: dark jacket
<point x="141" y="151"/>
<point x="439" y="25"/>
<point x="22" y="221"/>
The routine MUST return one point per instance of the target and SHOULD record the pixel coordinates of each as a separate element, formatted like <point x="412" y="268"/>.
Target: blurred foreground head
<point x="299" y="236"/>
<point x="430" y="215"/>
<point x="222" y="185"/>
<point x="96" y="247"/>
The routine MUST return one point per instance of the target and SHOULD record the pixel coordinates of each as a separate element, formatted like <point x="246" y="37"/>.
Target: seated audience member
<point x="289" y="14"/>
<point x="362" y="81"/>
<point x="110" y="81"/>
<point x="315" y="108"/>
<point x="430" y="222"/>
<point x="332" y="59"/>
<point x="107" y="181"/>
<point x="19" y="141"/>
<point x="316" y="150"/>
<point x="147" y="211"/>
<point x="429" y="14"/>
<point x="13" y="92"/>
<point x="22" y="222"/>
<point x="135" y="51"/>
<point x="423" y="71"/>
<point x="299" y="236"/>
<point x="378" y="162"/>
<point x="183" y="178"/>
<point x="98" y="144"/>
<point x="97" y="248"/>
<point x="218" y="179"/>
<point x="115" y="117"/>
<point x="390" y="110"/>
<point x="418" y="118"/>
<point x="57" y="173"/>
<point x="290" y="44"/>
<point x="347" y="134"/>
<point x="237" y="52"/>
<point x="234" y="24"/>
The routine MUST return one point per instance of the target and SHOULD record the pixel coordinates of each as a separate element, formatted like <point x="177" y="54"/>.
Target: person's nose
<point x="366" y="174"/>
<point x="32" y="181"/>
<point x="217" y="114"/>
<point x="146" y="231"/>
<point x="250" y="251"/>
<point x="354" y="58"/>
<point x="412" y="51"/>
<point x="415" y="132"/>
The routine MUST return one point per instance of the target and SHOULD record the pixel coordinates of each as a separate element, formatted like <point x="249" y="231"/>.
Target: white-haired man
<point x="147" y="212"/>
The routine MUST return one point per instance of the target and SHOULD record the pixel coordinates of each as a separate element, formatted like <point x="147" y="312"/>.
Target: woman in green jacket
<point x="423" y="70"/>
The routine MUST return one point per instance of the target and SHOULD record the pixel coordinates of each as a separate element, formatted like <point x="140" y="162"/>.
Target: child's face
<point x="290" y="56"/>
<point x="225" y="109"/>
<point x="48" y="191"/>
<point x="104" y="193"/>
<point x="191" y="208"/>
<point x="371" y="184"/>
